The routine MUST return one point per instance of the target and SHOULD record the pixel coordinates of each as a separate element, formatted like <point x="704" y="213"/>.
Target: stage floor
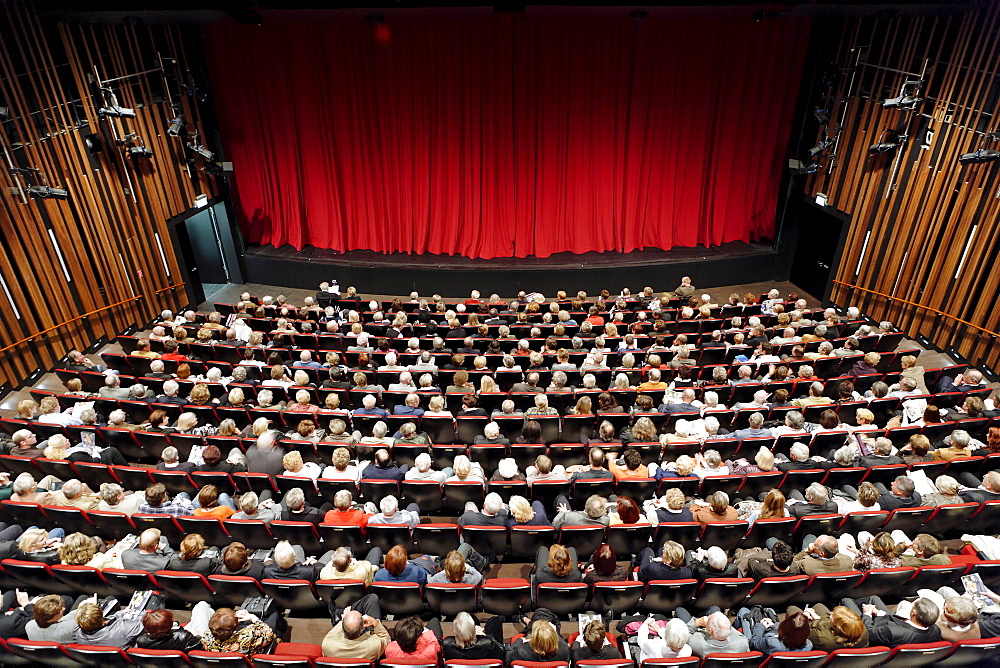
<point x="590" y="260"/>
<point x="454" y="276"/>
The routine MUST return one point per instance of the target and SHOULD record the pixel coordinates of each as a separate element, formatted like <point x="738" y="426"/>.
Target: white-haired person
<point x="663" y="639"/>
<point x="422" y="470"/>
<point x="391" y="513"/>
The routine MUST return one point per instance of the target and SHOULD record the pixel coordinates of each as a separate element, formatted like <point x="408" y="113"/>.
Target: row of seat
<point x="497" y="596"/>
<point x="17" y="652"/>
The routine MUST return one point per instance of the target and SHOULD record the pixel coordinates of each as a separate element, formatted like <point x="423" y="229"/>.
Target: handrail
<point x="80" y="317"/>
<point x="169" y="287"/>
<point x="926" y="308"/>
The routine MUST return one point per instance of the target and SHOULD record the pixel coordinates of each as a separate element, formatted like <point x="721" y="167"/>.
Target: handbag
<point x="259" y="606"/>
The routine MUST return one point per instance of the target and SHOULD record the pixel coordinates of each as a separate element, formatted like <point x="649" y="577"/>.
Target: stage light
<point x="140" y="152"/>
<point x="118" y="112"/>
<point x="46" y="192"/>
<point x="176" y="126"/>
<point x="820" y="147"/>
<point x="822" y="116"/>
<point x="4" y="113"/>
<point x="979" y="157"/>
<point x="882" y="147"/>
<point x="907" y="98"/>
<point x="201" y="150"/>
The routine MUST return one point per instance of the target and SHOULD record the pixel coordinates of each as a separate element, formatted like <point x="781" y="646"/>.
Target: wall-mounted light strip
<point x="900" y="274"/>
<point x="864" y="249"/>
<point x="62" y="261"/>
<point x="127" y="277"/>
<point x="10" y="298"/>
<point x="163" y="257"/>
<point x="968" y="244"/>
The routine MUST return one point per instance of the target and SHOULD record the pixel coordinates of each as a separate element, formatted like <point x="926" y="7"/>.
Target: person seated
<point x="556" y="563"/>
<point x="39" y="545"/>
<point x="670" y="508"/>
<point x="799" y="459"/>
<point x="881" y="455"/>
<point x="663" y="640"/>
<point x="472" y="642"/>
<point x="543" y="469"/>
<point x="820" y="555"/>
<point x="604" y="567"/>
<point x="345" y="513"/>
<point x="348" y="639"/>
<point x="918" y="624"/>
<point x="415" y="641"/>
<point x="831" y="630"/>
<point x="816" y="502"/>
<point x="709" y="464"/>
<point x="191" y="557"/>
<point x="160" y="632"/>
<point x="456" y="569"/>
<point x="343" y="566"/>
<point x="713" y="634"/>
<point x="593" y="644"/>
<point x="297" y="509"/>
<point x="956" y="446"/>
<point x="766" y="635"/>
<point x="151" y="554"/>
<point x="712" y="563"/>
<point x="237" y="631"/>
<point x="289" y="564"/>
<point x="669" y="566"/>
<point x="119" y="629"/>
<point x="465" y="470"/>
<point x="493" y="514"/>
<point x="543" y="643"/>
<point x="630" y="465"/>
<point x="212" y="503"/>
<point x="523" y="513"/>
<point x="778" y="564"/>
<point x="397" y="567"/>
<point x="384" y="468"/>
<point x="715" y="509"/>
<point x="51" y="621"/>
<point x="392" y="514"/>
<point x="341" y="468"/>
<point x="236" y="561"/>
<point x="926" y="550"/>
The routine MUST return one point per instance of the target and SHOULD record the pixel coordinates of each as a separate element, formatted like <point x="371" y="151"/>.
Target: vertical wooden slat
<point x="106" y="229"/>
<point x="919" y="207"/>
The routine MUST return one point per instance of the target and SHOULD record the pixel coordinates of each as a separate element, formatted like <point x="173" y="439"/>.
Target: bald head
<point x="352" y="624"/>
<point x="718" y="626"/>
<point x="149" y="540"/>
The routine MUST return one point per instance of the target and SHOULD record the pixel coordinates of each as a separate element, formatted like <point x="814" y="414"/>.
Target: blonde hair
<point x="520" y="509"/>
<point x="543" y="640"/>
<point x="77" y="550"/>
<point x="292" y="461"/>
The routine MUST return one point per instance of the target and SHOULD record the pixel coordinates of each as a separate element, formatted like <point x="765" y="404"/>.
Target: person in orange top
<point x="343" y="513"/>
<point x="634" y="468"/>
<point x="653" y="383"/>
<point x="213" y="504"/>
<point x="717" y="509"/>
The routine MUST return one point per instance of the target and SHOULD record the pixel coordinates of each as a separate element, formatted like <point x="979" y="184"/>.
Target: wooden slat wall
<point x="918" y="207"/>
<point x="116" y="204"/>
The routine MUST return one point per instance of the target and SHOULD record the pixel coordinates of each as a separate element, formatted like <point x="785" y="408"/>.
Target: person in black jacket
<point x="288" y="566"/>
<point x="594" y="644"/>
<point x="236" y="561"/>
<point x="190" y="557"/>
<point x="472" y="642"/>
<point x="714" y="565"/>
<point x="543" y="643"/>
<point x="160" y="631"/>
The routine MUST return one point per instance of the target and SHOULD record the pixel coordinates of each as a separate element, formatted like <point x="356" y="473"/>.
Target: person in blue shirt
<point x="397" y="567"/>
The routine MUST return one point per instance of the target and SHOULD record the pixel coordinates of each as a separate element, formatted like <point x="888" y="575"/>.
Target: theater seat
<point x="740" y="660"/>
<point x="506" y="596"/>
<point x="97" y="655"/>
<point x="450" y="599"/>
<point x="918" y="654"/>
<point x="813" y="659"/>
<point x="562" y="598"/>
<point x="973" y="653"/>
<point x="42" y="653"/>
<point x="861" y="657"/>
<point x="158" y="658"/>
<point x="399" y="598"/>
<point x="618" y="597"/>
<point x="664" y="596"/>
<point x="291" y="594"/>
<point x="202" y="659"/>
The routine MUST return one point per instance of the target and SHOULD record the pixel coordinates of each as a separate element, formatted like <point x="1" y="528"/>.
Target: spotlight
<point x="978" y="157"/>
<point x="820" y="147"/>
<point x="882" y="147"/>
<point x="140" y="152"/>
<point x="176" y="126"/>
<point x="45" y="192"/>
<point x="201" y="150"/>
<point x="907" y="98"/>
<point x="822" y="116"/>
<point x="118" y="112"/>
<point x="4" y="113"/>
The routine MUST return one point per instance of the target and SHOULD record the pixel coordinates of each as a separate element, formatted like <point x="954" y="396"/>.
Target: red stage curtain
<point x="506" y="135"/>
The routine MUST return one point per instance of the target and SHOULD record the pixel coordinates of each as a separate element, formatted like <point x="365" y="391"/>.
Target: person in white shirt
<point x="422" y="470"/>
<point x="666" y="642"/>
<point x="392" y="514"/>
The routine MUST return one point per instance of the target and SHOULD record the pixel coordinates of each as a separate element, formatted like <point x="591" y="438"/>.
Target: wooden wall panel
<point x="925" y="231"/>
<point x="50" y="76"/>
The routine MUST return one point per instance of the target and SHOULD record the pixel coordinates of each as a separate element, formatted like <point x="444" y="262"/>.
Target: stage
<point x="454" y="276"/>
